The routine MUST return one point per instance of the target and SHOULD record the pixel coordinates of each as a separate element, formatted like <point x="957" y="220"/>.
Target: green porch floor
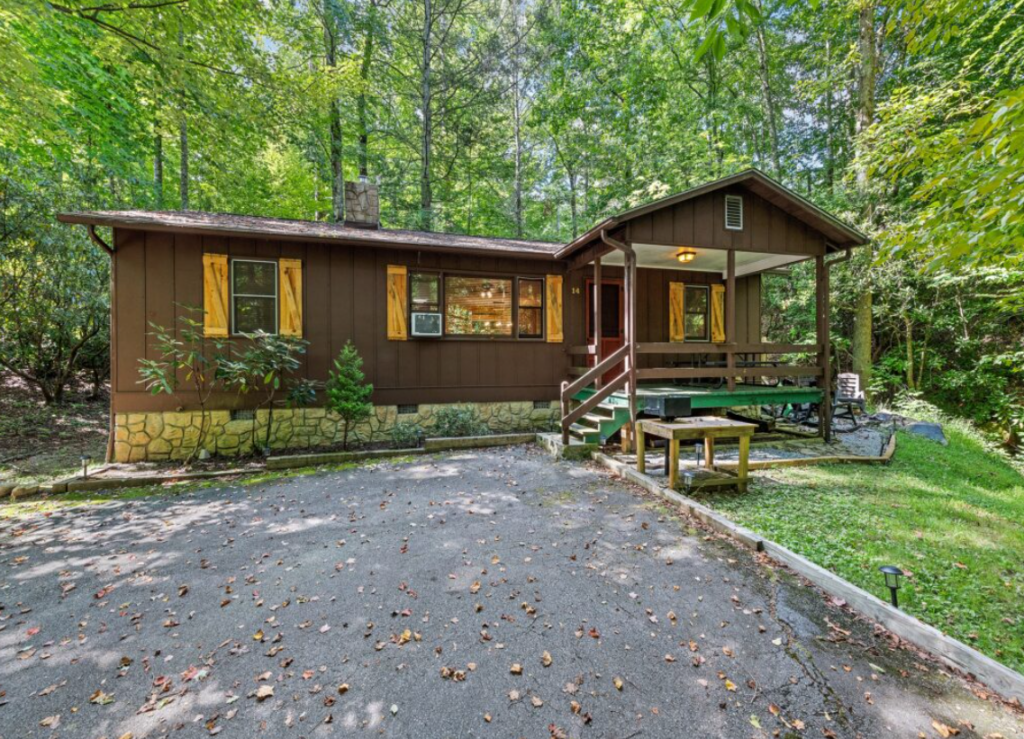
<point x="702" y="397"/>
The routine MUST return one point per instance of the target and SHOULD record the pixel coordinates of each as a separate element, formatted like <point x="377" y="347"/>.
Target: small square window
<point x="541" y="405"/>
<point x="425" y="292"/>
<point x="242" y="415"/>
<point x="408" y="409"/>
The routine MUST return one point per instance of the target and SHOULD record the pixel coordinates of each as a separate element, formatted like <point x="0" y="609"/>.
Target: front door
<point x="612" y="322"/>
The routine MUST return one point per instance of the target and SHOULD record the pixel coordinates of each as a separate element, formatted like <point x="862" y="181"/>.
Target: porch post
<point x="631" y="331"/>
<point x="730" y="317"/>
<point x="596" y="319"/>
<point x="821" y="306"/>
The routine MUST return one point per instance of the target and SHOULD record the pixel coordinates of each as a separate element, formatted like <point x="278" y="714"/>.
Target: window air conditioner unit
<point x="426" y="324"/>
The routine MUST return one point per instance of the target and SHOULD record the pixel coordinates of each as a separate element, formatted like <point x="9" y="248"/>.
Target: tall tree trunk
<point x="183" y="169"/>
<point x="829" y="122"/>
<point x="364" y="80"/>
<point x="337" y="172"/>
<point x="183" y="140"/>
<point x="867" y="73"/>
<point x="427" y="133"/>
<point x="908" y="326"/>
<point x="766" y="93"/>
<point x="517" y="123"/>
<point x="158" y="171"/>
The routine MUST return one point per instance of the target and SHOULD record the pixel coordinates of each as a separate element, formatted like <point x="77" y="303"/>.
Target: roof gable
<point x="829" y="228"/>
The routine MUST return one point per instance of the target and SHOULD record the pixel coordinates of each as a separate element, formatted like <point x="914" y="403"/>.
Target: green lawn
<point x="951" y="516"/>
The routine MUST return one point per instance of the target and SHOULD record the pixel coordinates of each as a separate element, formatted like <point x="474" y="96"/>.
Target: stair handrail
<point x="596" y="371"/>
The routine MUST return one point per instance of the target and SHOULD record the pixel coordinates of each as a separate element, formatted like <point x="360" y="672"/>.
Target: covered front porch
<point x="684" y="327"/>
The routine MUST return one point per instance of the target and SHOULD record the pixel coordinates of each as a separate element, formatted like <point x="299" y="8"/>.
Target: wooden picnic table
<point x="707" y="428"/>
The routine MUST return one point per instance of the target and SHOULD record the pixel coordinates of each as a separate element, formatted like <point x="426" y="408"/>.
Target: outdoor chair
<point x="849" y="396"/>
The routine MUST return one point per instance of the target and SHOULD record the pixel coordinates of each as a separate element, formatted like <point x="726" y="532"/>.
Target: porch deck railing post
<point x="821" y="305"/>
<point x="631" y="337"/>
<point x="596" y="321"/>
<point x="730" y="317"/>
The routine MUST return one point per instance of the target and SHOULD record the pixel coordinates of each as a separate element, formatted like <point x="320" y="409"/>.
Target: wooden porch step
<point x="586" y="434"/>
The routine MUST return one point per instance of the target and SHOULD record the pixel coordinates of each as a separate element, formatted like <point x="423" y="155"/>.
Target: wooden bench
<point x="706" y="428"/>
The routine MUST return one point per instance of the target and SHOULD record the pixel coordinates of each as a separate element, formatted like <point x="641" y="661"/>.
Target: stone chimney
<point x="362" y="204"/>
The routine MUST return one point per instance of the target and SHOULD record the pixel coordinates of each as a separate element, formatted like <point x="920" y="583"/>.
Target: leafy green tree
<point x="185" y="362"/>
<point x="348" y="393"/>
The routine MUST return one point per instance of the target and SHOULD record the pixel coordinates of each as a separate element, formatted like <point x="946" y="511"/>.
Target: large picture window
<point x="253" y="296"/>
<point x="695" y="308"/>
<point x="531" y="308"/>
<point x="477" y="306"/>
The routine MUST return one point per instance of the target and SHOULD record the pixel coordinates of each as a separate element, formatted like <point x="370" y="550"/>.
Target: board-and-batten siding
<point x="344" y="298"/>
<point x="652" y="307"/>
<point x="700" y="222"/>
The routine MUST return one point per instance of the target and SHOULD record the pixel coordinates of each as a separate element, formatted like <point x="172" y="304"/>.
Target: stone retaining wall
<point x="173" y="435"/>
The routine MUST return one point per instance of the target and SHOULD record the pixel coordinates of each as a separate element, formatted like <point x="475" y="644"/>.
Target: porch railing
<point x="732" y="369"/>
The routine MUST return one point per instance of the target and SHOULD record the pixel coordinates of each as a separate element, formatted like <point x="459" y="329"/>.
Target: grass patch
<point x="951" y="516"/>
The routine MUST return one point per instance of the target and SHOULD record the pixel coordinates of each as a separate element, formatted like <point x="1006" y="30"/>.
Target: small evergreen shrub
<point x="406" y="435"/>
<point x="348" y="393"/>
<point x="454" y="420"/>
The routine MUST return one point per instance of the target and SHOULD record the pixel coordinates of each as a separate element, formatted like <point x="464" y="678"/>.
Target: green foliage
<point x="455" y="420"/>
<point x="952" y="516"/>
<point x="406" y="435"/>
<point x="262" y="366"/>
<point x="185" y="360"/>
<point x="53" y="302"/>
<point x="348" y="393"/>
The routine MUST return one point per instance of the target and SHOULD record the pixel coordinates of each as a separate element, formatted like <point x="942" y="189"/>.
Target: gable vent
<point x="734" y="212"/>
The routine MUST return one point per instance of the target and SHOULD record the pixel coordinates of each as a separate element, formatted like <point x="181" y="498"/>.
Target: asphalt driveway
<point x="491" y="593"/>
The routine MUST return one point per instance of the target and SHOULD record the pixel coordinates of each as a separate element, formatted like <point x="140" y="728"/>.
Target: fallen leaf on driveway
<point x="264" y="692"/>
<point x="51" y="722"/>
<point x="617" y="682"/>
<point x="100" y="698"/>
<point x="516" y="669"/>
<point x="944" y="730"/>
<point x="545" y="659"/>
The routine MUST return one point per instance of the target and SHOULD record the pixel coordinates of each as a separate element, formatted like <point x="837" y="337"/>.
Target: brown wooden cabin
<point x="445" y="318"/>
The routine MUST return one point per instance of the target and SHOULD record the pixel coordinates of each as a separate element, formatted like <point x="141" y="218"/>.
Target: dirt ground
<point x="39" y="442"/>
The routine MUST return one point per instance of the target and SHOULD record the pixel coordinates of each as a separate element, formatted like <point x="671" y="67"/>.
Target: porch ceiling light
<point x="685" y="255"/>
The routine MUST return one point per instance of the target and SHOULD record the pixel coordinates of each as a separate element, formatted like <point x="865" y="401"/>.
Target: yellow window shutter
<point x="718" y="314"/>
<point x="215" y="294"/>
<point x="676" y="329"/>
<point x="553" y="299"/>
<point x="397" y="302"/>
<point x="289" y="279"/>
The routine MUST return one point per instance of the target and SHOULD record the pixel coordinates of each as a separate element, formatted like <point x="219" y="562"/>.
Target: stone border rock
<point x="952" y="652"/>
<point x="574" y="451"/>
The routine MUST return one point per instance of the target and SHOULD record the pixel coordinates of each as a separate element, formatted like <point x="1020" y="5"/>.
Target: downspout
<point x="111" y="426"/>
<point x="95" y="238"/>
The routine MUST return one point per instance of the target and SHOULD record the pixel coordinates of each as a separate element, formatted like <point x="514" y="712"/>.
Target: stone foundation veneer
<point x="156" y="436"/>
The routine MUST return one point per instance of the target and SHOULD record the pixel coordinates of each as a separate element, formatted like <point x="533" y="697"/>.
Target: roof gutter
<point x="95" y="237"/>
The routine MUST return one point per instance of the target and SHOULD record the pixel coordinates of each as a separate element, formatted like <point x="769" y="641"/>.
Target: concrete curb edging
<point x="292" y="461"/>
<point x="443" y="443"/>
<point x="952" y="652"/>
